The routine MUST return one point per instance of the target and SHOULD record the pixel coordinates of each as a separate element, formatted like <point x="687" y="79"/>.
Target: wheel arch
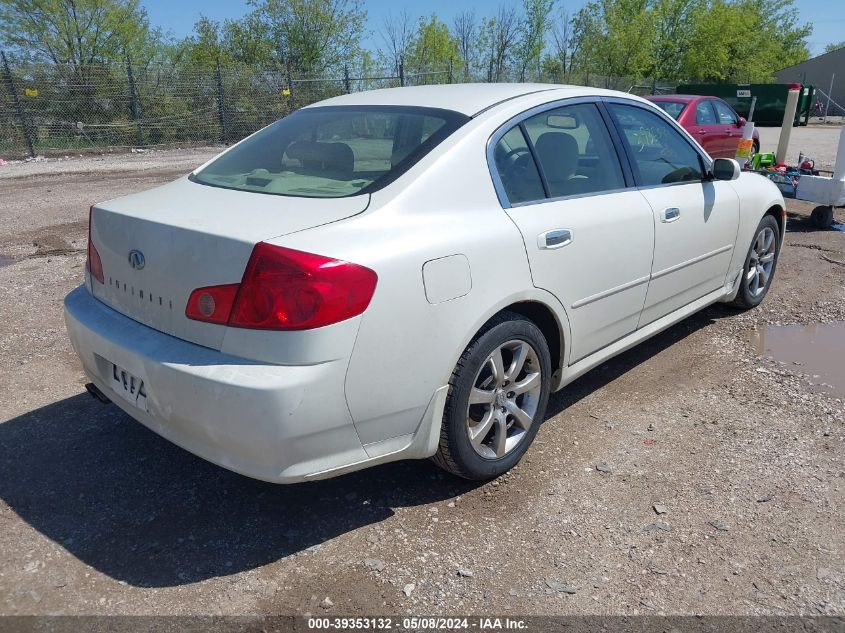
<point x="545" y="311"/>
<point x="544" y="318"/>
<point x="778" y="212"/>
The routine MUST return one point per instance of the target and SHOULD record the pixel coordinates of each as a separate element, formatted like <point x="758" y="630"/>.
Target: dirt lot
<point x="819" y="142"/>
<point x="743" y="453"/>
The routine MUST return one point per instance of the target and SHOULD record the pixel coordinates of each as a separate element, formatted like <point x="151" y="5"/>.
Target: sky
<point x="178" y="16"/>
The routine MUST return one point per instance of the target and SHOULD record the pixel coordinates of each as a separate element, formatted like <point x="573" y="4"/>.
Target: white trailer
<point x="827" y="192"/>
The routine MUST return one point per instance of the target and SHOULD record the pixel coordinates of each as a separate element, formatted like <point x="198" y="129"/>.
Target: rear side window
<point x="704" y="114"/>
<point x="332" y="152"/>
<point x="575" y="152"/>
<point x="659" y="153"/>
<point x="672" y="108"/>
<point x="517" y="169"/>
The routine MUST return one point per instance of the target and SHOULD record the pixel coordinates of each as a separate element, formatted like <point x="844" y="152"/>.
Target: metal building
<point x="822" y="71"/>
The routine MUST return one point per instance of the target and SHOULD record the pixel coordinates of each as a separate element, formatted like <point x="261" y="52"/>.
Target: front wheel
<point x="497" y="399"/>
<point x="760" y="264"/>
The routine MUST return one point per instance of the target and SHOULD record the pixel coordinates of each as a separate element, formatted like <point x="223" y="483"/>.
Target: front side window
<point x="659" y="153"/>
<point x="332" y="152"/>
<point x="725" y="114"/>
<point x="574" y="149"/>
<point x="704" y="114"/>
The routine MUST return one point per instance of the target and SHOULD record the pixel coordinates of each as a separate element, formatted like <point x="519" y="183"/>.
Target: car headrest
<point x="558" y="153"/>
<point x="334" y="160"/>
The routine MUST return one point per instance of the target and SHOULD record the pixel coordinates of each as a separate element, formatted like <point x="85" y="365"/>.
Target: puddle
<point x="5" y="260"/>
<point x="817" y="349"/>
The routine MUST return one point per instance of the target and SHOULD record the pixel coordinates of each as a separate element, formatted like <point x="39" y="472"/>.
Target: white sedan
<point x="409" y="273"/>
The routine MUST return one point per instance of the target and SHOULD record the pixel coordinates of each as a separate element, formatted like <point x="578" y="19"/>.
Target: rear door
<point x="729" y="124"/>
<point x="707" y="131"/>
<point x="588" y="233"/>
<point x="695" y="218"/>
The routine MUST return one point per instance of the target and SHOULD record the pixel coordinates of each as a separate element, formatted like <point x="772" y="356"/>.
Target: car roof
<point x="469" y="99"/>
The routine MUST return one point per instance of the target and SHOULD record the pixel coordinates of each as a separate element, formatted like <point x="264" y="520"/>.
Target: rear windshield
<point x="672" y="108"/>
<point x="332" y="151"/>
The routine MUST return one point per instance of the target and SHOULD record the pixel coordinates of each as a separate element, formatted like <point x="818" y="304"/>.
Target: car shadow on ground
<point x="141" y="510"/>
<point x="617" y="366"/>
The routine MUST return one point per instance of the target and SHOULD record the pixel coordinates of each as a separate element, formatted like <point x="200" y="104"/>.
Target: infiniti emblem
<point x="136" y="259"/>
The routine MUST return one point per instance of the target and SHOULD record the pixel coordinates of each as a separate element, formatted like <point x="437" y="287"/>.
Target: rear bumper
<point x="277" y="423"/>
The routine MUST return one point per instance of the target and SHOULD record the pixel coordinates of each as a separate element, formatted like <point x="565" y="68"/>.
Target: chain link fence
<point x="62" y="108"/>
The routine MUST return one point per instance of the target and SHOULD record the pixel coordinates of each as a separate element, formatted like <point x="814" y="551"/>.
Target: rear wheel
<point x="755" y="149"/>
<point x="760" y="264"/>
<point x="497" y="399"/>
<point x="822" y="217"/>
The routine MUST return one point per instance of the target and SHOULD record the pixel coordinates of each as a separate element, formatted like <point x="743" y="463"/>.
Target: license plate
<point x="129" y="387"/>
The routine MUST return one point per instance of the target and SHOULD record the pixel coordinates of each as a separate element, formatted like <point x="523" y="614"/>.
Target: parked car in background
<point x="409" y="273"/>
<point x="710" y="121"/>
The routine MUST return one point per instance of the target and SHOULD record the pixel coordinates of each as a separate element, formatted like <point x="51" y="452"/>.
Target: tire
<point x="755" y="149"/>
<point x="763" y="256"/>
<point x="822" y="217"/>
<point x="502" y="445"/>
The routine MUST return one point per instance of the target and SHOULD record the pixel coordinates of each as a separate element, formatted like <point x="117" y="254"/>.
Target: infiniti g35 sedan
<point x="409" y="273"/>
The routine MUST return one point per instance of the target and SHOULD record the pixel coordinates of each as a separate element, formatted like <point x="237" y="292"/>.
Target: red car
<point x="710" y="121"/>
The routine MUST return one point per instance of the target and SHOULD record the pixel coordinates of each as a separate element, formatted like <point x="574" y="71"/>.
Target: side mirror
<point x="726" y="169"/>
<point x="741" y="122"/>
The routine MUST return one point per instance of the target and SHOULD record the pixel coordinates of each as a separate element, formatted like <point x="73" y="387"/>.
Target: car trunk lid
<point x="159" y="245"/>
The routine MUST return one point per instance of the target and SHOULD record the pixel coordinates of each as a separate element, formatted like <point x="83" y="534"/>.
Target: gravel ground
<point x="720" y="492"/>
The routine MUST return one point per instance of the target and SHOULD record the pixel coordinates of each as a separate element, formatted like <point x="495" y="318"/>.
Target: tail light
<point x="94" y="263"/>
<point x="284" y="289"/>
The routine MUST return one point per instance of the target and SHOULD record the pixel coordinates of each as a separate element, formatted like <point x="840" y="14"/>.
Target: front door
<point x="588" y="236"/>
<point x="695" y="218"/>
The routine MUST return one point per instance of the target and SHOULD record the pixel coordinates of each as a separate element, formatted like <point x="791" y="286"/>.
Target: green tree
<point x="245" y="41"/>
<point x="673" y="22"/>
<point x="312" y="36"/>
<point x="744" y="40"/>
<point x="834" y="46"/>
<point x="614" y="38"/>
<point x="465" y="32"/>
<point x="497" y="38"/>
<point x="75" y="34"/>
<point x="557" y="65"/>
<point x="433" y="47"/>
<point x="533" y="29"/>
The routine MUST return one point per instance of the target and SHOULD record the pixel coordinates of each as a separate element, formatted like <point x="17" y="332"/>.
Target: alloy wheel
<point x="761" y="263"/>
<point x="504" y="399"/>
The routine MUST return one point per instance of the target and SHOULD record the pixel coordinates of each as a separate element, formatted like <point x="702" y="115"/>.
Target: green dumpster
<point x="771" y="100"/>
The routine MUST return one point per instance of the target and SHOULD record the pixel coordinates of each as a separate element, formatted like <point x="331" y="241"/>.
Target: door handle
<point x="556" y="238"/>
<point x="670" y="214"/>
<point x="702" y="131"/>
